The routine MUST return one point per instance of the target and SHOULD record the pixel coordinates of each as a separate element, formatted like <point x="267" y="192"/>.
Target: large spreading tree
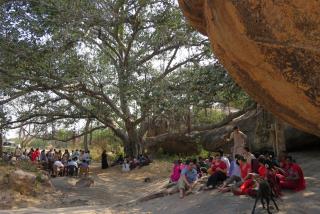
<point x="98" y="61"/>
<point x="121" y="65"/>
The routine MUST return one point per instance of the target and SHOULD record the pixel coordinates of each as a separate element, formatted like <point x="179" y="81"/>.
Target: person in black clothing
<point x="104" y="161"/>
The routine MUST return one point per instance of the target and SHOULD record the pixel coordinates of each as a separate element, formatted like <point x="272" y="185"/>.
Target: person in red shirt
<point x="249" y="182"/>
<point x="245" y="169"/>
<point x="262" y="171"/>
<point x="284" y="167"/>
<point x="35" y="155"/>
<point x="219" y="172"/>
<point x="294" y="178"/>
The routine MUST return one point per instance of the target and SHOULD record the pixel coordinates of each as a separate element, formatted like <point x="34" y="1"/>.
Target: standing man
<point x="239" y="141"/>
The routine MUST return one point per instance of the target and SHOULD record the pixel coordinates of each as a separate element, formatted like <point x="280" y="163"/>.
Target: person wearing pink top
<point x="176" y="170"/>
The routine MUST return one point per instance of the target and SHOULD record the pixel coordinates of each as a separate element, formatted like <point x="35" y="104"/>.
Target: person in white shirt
<point x="57" y="167"/>
<point x="73" y="163"/>
<point x="24" y="157"/>
<point x="73" y="167"/>
<point x="86" y="157"/>
<point x="125" y="166"/>
<point x="76" y="154"/>
<point x="224" y="159"/>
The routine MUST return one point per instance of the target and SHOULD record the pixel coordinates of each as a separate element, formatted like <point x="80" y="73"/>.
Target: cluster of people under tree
<point x="239" y="174"/>
<point x="128" y="163"/>
<point x="72" y="163"/>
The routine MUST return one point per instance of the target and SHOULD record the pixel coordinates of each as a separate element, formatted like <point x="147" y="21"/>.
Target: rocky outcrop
<point x="28" y="183"/>
<point x="23" y="182"/>
<point x="180" y="144"/>
<point x="264" y="133"/>
<point x="271" y="49"/>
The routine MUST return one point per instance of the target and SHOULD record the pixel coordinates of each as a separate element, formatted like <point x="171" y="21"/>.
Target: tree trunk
<point x="90" y="138"/>
<point x="189" y="119"/>
<point x="1" y="149"/>
<point x="131" y="145"/>
<point x="73" y="138"/>
<point x="85" y="137"/>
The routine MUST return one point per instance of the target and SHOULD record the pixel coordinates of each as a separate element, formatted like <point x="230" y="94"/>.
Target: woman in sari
<point x="104" y="160"/>
<point x="294" y="178"/>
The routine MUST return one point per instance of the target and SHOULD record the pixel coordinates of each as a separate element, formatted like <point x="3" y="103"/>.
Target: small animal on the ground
<point x="264" y="193"/>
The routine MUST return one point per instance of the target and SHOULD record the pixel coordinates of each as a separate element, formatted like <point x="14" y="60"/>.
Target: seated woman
<point x="119" y="161"/>
<point x="188" y="178"/>
<point x="235" y="167"/>
<point x="197" y="167"/>
<point x="143" y="160"/>
<point x="294" y="178"/>
<point x="133" y="162"/>
<point x="245" y="169"/>
<point x="249" y="184"/>
<point x="175" y="175"/>
<point x="84" y="168"/>
<point x="219" y="172"/>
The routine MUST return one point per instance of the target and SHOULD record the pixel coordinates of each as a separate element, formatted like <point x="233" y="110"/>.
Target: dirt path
<point x="113" y="188"/>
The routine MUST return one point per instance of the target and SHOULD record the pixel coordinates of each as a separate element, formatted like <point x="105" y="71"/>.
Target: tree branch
<point x="70" y="138"/>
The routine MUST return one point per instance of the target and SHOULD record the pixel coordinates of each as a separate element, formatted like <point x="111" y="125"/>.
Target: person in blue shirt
<point x="188" y="178"/>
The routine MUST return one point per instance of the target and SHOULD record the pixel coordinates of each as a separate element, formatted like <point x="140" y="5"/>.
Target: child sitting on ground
<point x="125" y="165"/>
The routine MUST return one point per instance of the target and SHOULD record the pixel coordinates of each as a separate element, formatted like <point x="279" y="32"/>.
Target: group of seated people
<point x="240" y="175"/>
<point x="72" y="167"/>
<point x="72" y="163"/>
<point x="129" y="163"/>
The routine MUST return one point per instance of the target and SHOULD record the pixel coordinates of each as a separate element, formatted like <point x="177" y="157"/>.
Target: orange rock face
<point x="272" y="50"/>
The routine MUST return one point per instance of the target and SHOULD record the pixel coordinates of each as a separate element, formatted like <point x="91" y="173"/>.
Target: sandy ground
<point x="114" y="190"/>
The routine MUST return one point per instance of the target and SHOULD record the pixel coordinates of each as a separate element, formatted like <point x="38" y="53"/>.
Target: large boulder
<point x="22" y="181"/>
<point x="271" y="49"/>
<point x="28" y="183"/>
